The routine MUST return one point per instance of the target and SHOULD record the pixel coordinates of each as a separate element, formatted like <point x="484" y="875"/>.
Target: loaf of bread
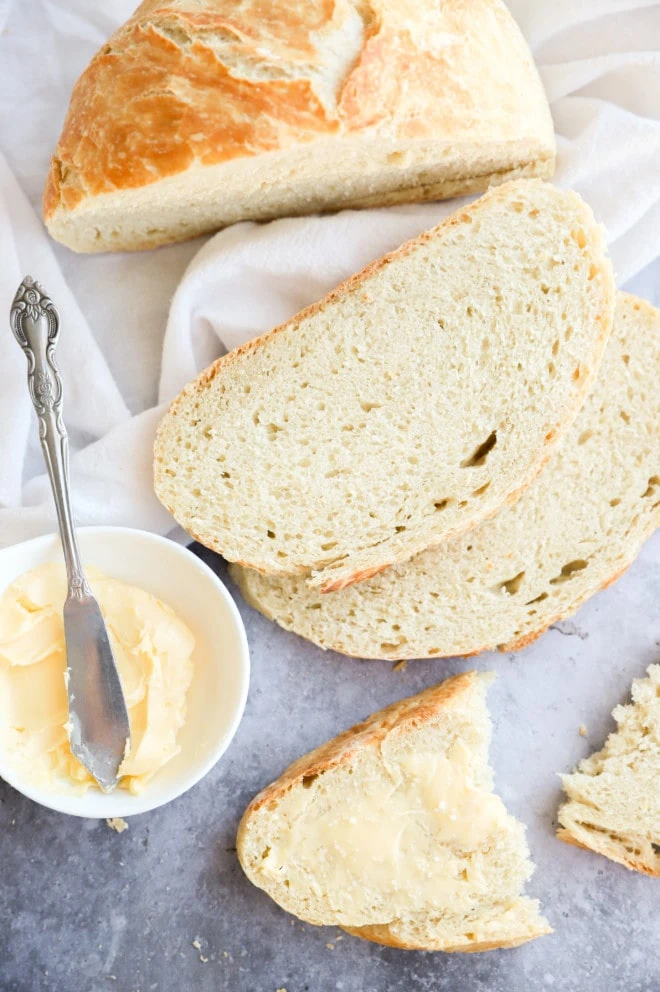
<point x="407" y="405"/>
<point x="574" y="531"/>
<point x="201" y="113"/>
<point x="613" y="803"/>
<point x="392" y="832"/>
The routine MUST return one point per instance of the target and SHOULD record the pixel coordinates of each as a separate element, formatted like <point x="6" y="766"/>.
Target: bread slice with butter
<point x="406" y="406"/>
<point x="574" y="531"/>
<point x="613" y="803"/>
<point x="392" y="831"/>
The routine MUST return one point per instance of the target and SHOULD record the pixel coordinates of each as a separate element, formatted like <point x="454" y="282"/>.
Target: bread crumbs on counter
<point x="400" y="666"/>
<point x="197" y="944"/>
<point x="330" y="947"/>
<point x="583" y="730"/>
<point x="117" y="823"/>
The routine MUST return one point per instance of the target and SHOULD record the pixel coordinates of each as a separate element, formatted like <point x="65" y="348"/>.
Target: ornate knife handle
<point x="36" y="325"/>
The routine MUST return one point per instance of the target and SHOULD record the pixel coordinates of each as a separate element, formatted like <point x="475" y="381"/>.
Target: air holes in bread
<point x="441" y="504"/>
<point x="537" y="599"/>
<point x="653" y="482"/>
<point x="308" y="781"/>
<point x="479" y="455"/>
<point x="511" y="586"/>
<point x="569" y="570"/>
<point x="481" y="490"/>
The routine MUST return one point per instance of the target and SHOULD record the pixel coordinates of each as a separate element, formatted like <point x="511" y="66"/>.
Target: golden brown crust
<point x="382" y="934"/>
<point x="180" y="87"/>
<point x="415" y="709"/>
<point x="609" y="850"/>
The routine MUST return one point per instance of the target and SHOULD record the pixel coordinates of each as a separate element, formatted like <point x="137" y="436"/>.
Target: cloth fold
<point x="600" y="64"/>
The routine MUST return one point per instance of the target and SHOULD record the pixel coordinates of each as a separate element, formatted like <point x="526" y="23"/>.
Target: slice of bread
<point x="574" y="531"/>
<point x="613" y="803"/>
<point x="392" y="832"/>
<point x="406" y="406"/>
<point x="201" y="113"/>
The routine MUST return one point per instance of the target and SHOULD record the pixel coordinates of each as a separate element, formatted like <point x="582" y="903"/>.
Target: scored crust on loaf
<point x="575" y="530"/>
<point x="407" y="405"/>
<point x="199" y="114"/>
<point x="613" y="803"/>
<point x="392" y="832"/>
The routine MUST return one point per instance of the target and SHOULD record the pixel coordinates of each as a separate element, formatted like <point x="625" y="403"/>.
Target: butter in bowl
<point x="182" y="657"/>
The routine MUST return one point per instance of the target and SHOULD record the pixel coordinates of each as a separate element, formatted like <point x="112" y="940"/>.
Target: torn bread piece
<point x="392" y="831"/>
<point x="613" y="803"/>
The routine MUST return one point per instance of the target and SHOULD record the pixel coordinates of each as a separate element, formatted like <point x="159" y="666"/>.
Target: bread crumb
<point x="203" y="959"/>
<point x="583" y="730"/>
<point x="400" y="666"/>
<point x="280" y="990"/>
<point x="330" y="947"/>
<point x="197" y="944"/>
<point x="117" y="823"/>
<point x="225" y="954"/>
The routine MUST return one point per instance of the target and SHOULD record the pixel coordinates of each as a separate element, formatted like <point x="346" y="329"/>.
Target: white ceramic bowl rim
<point x="120" y="803"/>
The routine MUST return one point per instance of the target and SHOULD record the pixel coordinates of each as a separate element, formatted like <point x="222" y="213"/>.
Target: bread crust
<point x="323" y="578"/>
<point x="515" y="645"/>
<point x="367" y="734"/>
<point x="609" y="850"/>
<point x="179" y="88"/>
<point x="382" y="934"/>
<point x="370" y="733"/>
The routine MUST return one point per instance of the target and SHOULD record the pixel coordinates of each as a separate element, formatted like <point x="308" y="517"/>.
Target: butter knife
<point x="99" y="731"/>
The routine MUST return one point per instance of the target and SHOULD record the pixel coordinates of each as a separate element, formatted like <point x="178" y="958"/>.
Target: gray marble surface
<point x="164" y="906"/>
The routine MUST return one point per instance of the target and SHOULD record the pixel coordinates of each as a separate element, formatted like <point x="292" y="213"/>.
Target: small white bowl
<point x="217" y="695"/>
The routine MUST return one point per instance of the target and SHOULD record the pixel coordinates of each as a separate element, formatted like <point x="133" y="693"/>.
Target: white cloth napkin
<point x="600" y="62"/>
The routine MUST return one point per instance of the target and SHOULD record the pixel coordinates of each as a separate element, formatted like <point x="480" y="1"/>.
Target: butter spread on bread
<point x="392" y="831"/>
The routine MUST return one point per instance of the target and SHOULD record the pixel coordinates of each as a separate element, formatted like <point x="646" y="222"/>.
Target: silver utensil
<point x="99" y="731"/>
